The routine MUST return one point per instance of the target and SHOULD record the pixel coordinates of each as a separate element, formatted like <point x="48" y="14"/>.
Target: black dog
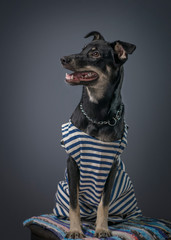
<point x="100" y="114"/>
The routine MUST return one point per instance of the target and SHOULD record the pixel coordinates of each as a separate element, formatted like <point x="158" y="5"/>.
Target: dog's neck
<point x="103" y="103"/>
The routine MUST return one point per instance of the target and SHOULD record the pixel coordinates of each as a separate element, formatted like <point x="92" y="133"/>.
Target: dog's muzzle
<point x="77" y="77"/>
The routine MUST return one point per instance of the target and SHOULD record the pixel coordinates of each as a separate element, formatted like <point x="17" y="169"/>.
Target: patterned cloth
<point x="136" y="229"/>
<point x="94" y="159"/>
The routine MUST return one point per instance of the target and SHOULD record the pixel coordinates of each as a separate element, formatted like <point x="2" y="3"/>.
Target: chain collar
<point x="111" y="122"/>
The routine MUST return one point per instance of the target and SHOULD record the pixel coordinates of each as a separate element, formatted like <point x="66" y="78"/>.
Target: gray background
<point x="36" y="100"/>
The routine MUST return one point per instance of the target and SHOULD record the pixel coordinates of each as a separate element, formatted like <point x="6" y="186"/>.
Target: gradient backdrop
<point x="36" y="101"/>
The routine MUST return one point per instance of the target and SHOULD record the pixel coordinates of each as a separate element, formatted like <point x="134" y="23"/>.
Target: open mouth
<point x="81" y="77"/>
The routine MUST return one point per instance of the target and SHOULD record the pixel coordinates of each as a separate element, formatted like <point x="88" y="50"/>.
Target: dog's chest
<point x="105" y="133"/>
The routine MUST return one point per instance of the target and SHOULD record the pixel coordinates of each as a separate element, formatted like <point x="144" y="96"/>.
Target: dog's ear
<point x="96" y="35"/>
<point x="122" y="49"/>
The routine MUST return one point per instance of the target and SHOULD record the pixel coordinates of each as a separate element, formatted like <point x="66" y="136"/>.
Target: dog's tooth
<point x="67" y="76"/>
<point x="72" y="77"/>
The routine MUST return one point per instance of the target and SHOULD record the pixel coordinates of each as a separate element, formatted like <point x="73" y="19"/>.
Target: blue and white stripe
<point x="94" y="159"/>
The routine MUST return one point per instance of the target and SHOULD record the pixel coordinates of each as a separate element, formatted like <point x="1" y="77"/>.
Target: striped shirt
<point x="94" y="159"/>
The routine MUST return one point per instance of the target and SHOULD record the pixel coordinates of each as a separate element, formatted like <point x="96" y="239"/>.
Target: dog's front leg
<point x="74" y="210"/>
<point x="102" y="229"/>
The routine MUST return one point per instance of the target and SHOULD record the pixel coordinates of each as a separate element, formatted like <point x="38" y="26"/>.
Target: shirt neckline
<point x="95" y="139"/>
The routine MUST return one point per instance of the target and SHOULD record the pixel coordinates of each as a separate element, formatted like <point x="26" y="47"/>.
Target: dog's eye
<point x="95" y="54"/>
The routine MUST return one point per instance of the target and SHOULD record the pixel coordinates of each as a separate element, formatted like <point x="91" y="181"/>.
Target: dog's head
<point x="99" y="60"/>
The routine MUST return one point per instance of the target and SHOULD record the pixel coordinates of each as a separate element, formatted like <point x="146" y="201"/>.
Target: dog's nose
<point x="65" y="60"/>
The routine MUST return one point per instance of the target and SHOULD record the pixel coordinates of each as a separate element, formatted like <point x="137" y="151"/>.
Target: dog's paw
<point x="103" y="233"/>
<point x="75" y="235"/>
